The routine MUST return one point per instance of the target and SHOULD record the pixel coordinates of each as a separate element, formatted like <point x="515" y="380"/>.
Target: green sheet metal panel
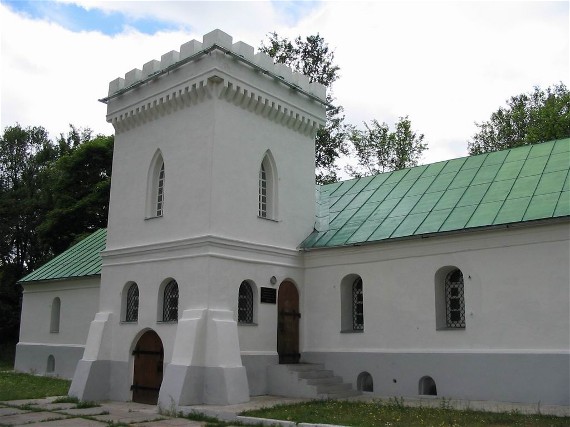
<point x="498" y="190"/>
<point x="82" y="259"/>
<point x="563" y="206"/>
<point x="485" y="214"/>
<point x="520" y="184"/>
<point x="541" y="206"/>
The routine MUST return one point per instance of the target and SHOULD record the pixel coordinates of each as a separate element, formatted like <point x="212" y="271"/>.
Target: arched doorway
<point x="288" y="323"/>
<point x="148" y="366"/>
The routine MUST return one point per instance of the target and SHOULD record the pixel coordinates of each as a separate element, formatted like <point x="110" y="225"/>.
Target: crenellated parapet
<point x="183" y="78"/>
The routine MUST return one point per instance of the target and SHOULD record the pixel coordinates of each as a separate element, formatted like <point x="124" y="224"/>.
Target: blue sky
<point x="445" y="64"/>
<point x="77" y="18"/>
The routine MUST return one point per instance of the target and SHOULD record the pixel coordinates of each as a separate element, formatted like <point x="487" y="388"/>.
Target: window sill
<point x="352" y="331"/>
<point x="246" y="324"/>
<point x="166" y="322"/>
<point x="449" y="329"/>
<point x="54" y="332"/>
<point x="148" y="218"/>
<point x="268" y="219"/>
<point x="129" y="322"/>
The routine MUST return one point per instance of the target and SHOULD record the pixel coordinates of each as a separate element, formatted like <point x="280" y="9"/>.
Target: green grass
<point x="15" y="386"/>
<point x="394" y="413"/>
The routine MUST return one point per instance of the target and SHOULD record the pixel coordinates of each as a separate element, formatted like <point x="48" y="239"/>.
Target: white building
<point x="221" y="265"/>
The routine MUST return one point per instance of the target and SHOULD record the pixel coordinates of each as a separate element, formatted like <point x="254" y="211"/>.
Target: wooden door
<point x="147" y="376"/>
<point x="288" y="323"/>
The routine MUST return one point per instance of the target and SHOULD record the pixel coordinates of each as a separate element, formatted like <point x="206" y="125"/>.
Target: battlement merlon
<point x="217" y="40"/>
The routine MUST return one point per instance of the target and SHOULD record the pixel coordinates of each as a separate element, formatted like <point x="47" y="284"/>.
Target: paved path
<point x="45" y="413"/>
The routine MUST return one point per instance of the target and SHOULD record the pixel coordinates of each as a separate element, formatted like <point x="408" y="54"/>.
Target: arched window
<point x="160" y="192"/>
<point x="352" y="304"/>
<point x="357" y="306"/>
<point x="449" y="299"/>
<point x="170" y="302"/>
<point x="131" y="307"/>
<point x="55" y="315"/>
<point x="454" y="300"/>
<point x="427" y="386"/>
<point x="50" y="368"/>
<point x="364" y="382"/>
<point x="155" y="187"/>
<point x="245" y="303"/>
<point x="267" y="190"/>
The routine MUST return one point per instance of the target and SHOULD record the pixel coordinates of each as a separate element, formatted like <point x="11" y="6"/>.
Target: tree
<point x="528" y="118"/>
<point x="312" y="57"/>
<point x="25" y="154"/>
<point x="380" y="150"/>
<point x="51" y="194"/>
<point x="80" y="182"/>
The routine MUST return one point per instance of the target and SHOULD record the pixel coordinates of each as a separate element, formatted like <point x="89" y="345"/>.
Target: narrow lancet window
<point x="160" y="192"/>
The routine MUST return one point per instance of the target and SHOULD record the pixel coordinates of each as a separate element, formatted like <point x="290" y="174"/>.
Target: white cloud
<point x="445" y="64"/>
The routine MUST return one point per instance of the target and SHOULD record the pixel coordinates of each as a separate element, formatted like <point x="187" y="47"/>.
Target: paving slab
<point x="5" y="411"/>
<point x="30" y="417"/>
<point x="69" y="422"/>
<point x="171" y="422"/>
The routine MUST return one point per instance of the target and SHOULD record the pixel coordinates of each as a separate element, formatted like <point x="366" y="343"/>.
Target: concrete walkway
<point x="45" y="413"/>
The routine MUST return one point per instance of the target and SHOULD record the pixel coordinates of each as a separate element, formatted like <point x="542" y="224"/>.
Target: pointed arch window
<point x="156" y="187"/>
<point x="160" y="191"/>
<point x="267" y="188"/>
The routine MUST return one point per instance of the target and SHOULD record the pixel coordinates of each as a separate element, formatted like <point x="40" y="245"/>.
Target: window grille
<point x="170" y="302"/>
<point x="160" y="192"/>
<point x="132" y="312"/>
<point x="357" y="306"/>
<point x="262" y="192"/>
<point x="245" y="303"/>
<point x="454" y="300"/>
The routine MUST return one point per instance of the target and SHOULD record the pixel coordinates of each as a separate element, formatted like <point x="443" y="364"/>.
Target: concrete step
<point x="321" y="373"/>
<point x="308" y="381"/>
<point x="324" y="380"/>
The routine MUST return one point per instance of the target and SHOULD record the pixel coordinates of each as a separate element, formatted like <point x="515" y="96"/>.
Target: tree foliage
<point x="528" y="118"/>
<point x="312" y="57"/>
<point x="380" y="150"/>
<point x="51" y="194"/>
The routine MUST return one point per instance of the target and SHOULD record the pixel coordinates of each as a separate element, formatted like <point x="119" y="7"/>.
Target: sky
<point x="446" y="65"/>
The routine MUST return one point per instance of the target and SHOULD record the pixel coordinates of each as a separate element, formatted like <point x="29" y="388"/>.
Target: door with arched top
<point x="148" y="367"/>
<point x="288" y="323"/>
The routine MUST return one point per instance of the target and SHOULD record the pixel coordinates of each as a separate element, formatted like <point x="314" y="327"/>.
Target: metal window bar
<point x="454" y="300"/>
<point x="245" y="303"/>
<point x="132" y="314"/>
<point x="170" y="302"/>
<point x="160" y="192"/>
<point x="357" y="306"/>
<point x="262" y="192"/>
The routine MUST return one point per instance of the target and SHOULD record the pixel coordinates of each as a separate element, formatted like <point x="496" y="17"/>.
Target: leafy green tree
<point x="80" y="182"/>
<point x="51" y="194"/>
<point x="380" y="150"/>
<point x="25" y="155"/>
<point x="312" y="57"/>
<point x="528" y="118"/>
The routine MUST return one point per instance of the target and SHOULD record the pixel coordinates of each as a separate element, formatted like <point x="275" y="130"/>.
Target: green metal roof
<point x="82" y="259"/>
<point x="503" y="187"/>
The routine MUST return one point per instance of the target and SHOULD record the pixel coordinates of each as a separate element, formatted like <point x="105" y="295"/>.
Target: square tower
<point x="213" y="187"/>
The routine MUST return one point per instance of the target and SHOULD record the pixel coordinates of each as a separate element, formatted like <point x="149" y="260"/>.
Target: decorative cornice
<point x="215" y="83"/>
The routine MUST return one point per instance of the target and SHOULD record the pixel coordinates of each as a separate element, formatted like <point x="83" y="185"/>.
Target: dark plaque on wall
<point x="269" y="295"/>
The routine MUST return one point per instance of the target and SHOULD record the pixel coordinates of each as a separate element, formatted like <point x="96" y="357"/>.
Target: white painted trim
<point x="23" y="343"/>
<point x="438" y="351"/>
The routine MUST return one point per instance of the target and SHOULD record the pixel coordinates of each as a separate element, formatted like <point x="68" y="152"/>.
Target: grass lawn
<point x="15" y="386"/>
<point x="368" y="414"/>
